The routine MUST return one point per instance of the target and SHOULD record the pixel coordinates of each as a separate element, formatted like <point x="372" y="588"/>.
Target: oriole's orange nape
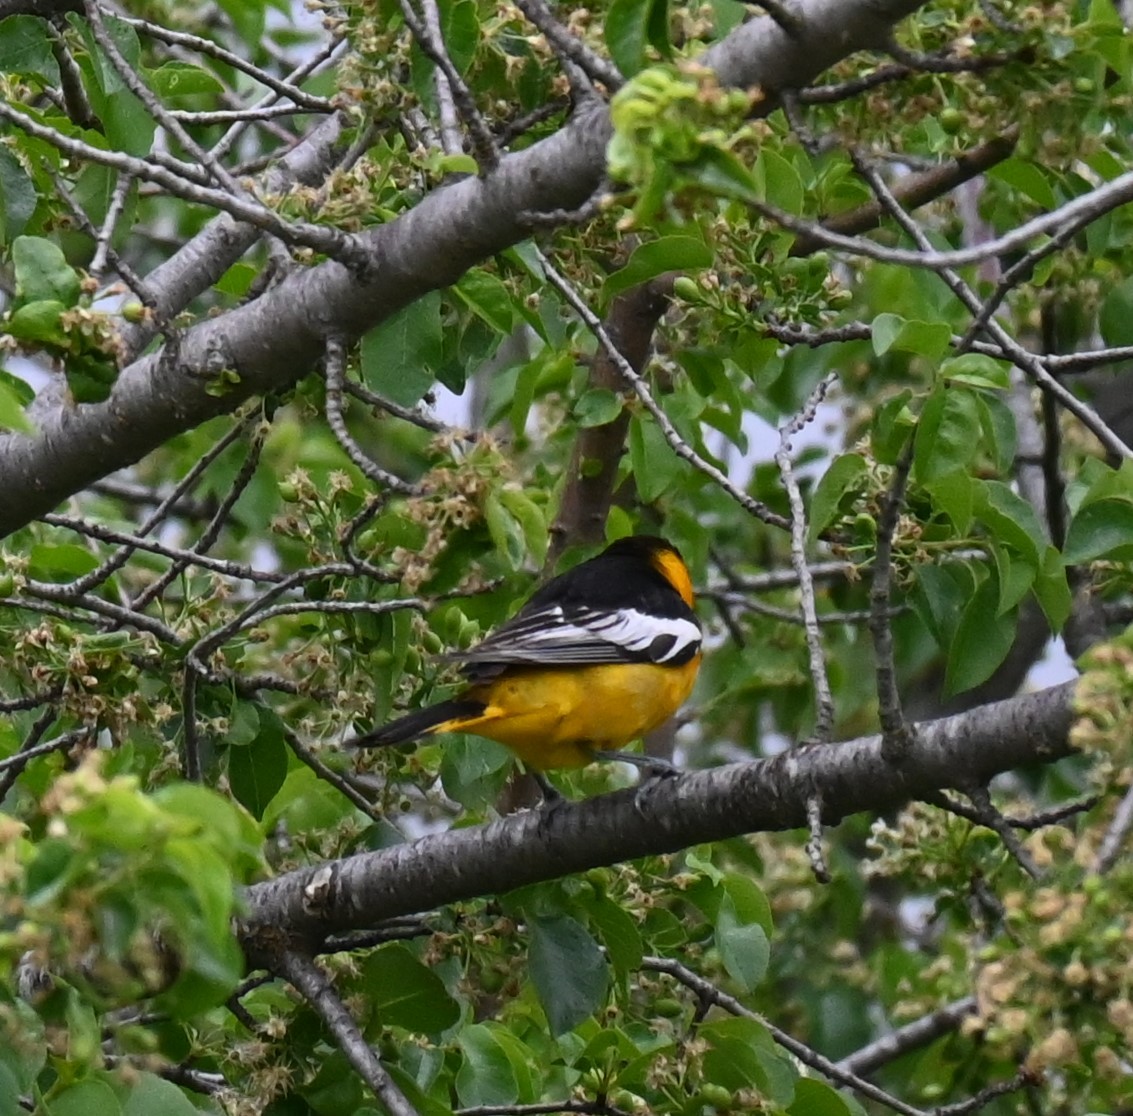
<point x="599" y="656"/>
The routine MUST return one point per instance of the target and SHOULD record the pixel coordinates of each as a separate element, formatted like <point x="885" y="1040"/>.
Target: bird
<point x="598" y="657"/>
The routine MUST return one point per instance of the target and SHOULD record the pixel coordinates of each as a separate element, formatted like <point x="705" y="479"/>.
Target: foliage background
<point x="844" y="313"/>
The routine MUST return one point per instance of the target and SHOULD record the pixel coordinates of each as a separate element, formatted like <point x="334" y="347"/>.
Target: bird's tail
<point x="422" y="722"/>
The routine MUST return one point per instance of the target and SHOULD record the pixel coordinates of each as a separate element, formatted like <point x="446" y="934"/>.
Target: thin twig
<point x="343" y="786"/>
<point x="113" y="214"/>
<point x="222" y="566"/>
<point x="568" y="46"/>
<point x="805" y="1054"/>
<point x="944" y="264"/>
<point x="823" y="698"/>
<point x="336" y="244"/>
<point x="132" y="81"/>
<point x="912" y="1036"/>
<point x="200" y="45"/>
<point x="55" y="744"/>
<point x="982" y="811"/>
<point x="219" y="519"/>
<point x="166" y="506"/>
<point x="896" y="732"/>
<point x="814" y="851"/>
<point x="637" y="383"/>
<point x="314" y="985"/>
<point x="1116" y="835"/>
<point x="433" y="47"/>
<point x="989" y="1093"/>
<point x="451" y="141"/>
<point x="335" y="378"/>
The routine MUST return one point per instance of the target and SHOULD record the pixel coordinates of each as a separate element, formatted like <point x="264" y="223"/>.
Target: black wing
<point x="604" y="611"/>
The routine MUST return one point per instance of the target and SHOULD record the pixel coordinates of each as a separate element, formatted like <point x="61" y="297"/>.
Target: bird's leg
<point x="551" y="794"/>
<point x="651" y="766"/>
<point x="653" y="770"/>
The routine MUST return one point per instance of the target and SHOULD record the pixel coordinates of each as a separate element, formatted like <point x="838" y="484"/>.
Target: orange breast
<point x="557" y="717"/>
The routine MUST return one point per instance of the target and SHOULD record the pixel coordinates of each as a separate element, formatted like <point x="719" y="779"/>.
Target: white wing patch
<point x="588" y="636"/>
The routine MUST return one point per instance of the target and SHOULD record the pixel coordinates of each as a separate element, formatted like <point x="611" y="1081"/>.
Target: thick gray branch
<point x="671" y="814"/>
<point x="272" y="342"/>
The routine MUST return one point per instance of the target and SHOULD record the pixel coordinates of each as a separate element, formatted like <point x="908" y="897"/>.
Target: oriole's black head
<point x="644" y="546"/>
<point x="661" y="555"/>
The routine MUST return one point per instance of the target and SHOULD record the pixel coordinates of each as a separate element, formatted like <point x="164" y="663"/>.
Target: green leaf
<point x="127" y="123"/>
<point x="779" y="181"/>
<point x="60" y="561"/>
<point x="927" y="339"/>
<point x="734" y="1057"/>
<point x="524" y="1064"/>
<point x="655" y="465"/>
<point x="597" y="407"/>
<point x="983" y="638"/>
<point x="17" y="192"/>
<point x="401" y="356"/>
<point x="627" y="32"/>
<point x="506" y="533"/>
<point x="891" y="426"/>
<point x="92" y="1097"/>
<point x="743" y="946"/>
<point x="150" y="1094"/>
<point x="720" y="172"/>
<point x="657" y="28"/>
<point x="26" y="49"/>
<point x="947" y="435"/>
<point x="474" y="770"/>
<point x="256" y="772"/>
<point x="677" y="252"/>
<point x="954" y="495"/>
<point x="835" y="484"/>
<point x="939" y="597"/>
<point x="531" y="520"/>
<point x="750" y="903"/>
<point x="89" y="378"/>
<point x="1052" y="590"/>
<point x="1116" y="318"/>
<point x="486" y="1076"/>
<point x="129" y="126"/>
<point x="306" y="803"/>
<point x="728" y="14"/>
<point x="523" y="395"/>
<point x="407" y="993"/>
<point x="568" y="970"/>
<point x="1010" y="519"/>
<point x="488" y="298"/>
<point x="460" y="28"/>
<point x="457" y="163"/>
<point x="247" y="17"/>
<point x="12" y="413"/>
<point x="1015" y="576"/>
<point x="42" y="272"/>
<point x="816" y="1098"/>
<point x="1028" y="178"/>
<point x="884" y="331"/>
<point x="976" y="370"/>
<point x="174" y="81"/>
<point x="998" y="423"/>
<point x="619" y="933"/>
<point x="38" y="322"/>
<point x="236" y="281"/>
<point x="243" y="723"/>
<point x="1103" y="529"/>
<point x="10" y="1091"/>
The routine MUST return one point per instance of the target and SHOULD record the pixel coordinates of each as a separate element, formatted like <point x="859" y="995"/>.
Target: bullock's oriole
<point x="599" y="656"/>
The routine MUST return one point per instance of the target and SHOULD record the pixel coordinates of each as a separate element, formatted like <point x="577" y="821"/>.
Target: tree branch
<point x="701" y="806"/>
<point x="271" y="342"/>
